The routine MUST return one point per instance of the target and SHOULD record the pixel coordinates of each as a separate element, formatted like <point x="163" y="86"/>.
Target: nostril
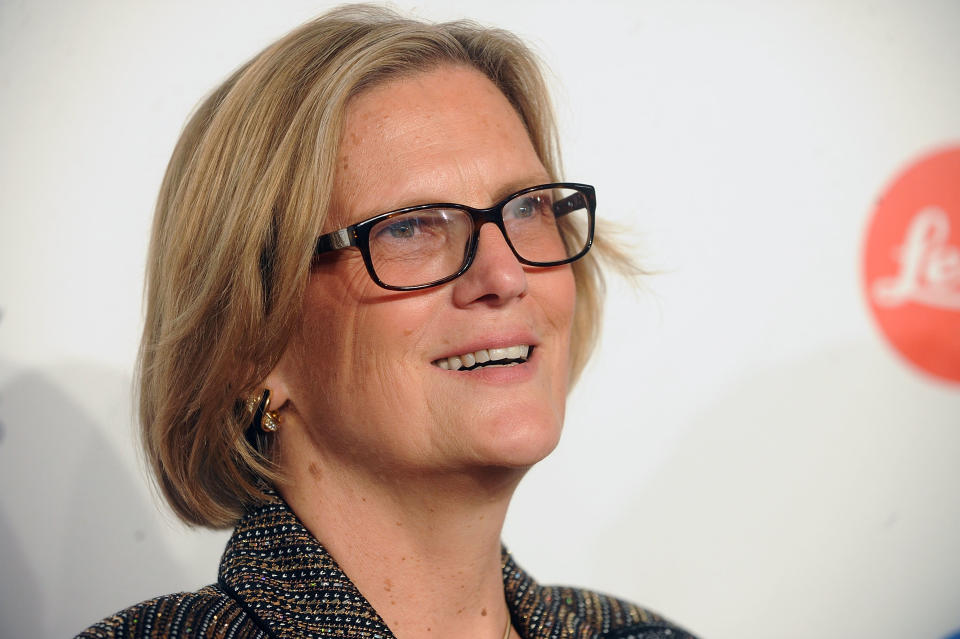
<point x="488" y="298"/>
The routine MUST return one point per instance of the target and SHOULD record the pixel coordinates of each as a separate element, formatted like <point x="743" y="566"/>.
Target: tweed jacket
<point x="277" y="581"/>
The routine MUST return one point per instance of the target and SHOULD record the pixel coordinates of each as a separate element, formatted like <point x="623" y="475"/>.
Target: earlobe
<point x="265" y="406"/>
<point x="279" y="393"/>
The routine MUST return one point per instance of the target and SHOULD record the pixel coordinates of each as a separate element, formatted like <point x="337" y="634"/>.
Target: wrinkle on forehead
<point x="394" y="152"/>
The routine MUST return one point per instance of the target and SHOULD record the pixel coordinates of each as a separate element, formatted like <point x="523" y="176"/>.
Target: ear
<point x="276" y="381"/>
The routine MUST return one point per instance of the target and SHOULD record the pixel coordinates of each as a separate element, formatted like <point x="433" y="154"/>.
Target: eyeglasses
<point x="430" y="244"/>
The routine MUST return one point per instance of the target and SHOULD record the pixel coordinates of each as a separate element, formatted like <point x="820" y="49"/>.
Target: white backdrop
<point x="746" y="453"/>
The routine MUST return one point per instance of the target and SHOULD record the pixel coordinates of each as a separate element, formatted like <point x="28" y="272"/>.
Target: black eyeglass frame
<point x="358" y="234"/>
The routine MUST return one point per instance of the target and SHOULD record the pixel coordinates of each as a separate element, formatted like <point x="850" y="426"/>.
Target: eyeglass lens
<point x="544" y="227"/>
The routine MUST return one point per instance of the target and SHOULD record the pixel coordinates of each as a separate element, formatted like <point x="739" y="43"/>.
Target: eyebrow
<point x="343" y="221"/>
<point x="509" y="188"/>
<point x="519" y="185"/>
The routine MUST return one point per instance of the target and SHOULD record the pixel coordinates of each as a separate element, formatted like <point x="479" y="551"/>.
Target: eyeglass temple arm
<point x="569" y="204"/>
<point x="335" y="241"/>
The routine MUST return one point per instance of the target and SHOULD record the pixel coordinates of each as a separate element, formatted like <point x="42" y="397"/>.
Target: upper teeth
<point x="483" y="356"/>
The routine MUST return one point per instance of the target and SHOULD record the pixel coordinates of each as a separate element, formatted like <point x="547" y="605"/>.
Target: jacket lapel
<point x="282" y="575"/>
<point x="540" y="612"/>
<point x="285" y="578"/>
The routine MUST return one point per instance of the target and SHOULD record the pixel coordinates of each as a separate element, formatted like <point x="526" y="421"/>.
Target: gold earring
<point x="259" y="408"/>
<point x="270" y="422"/>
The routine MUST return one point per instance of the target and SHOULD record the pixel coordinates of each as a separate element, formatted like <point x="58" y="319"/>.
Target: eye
<point x="402" y="229"/>
<point x="527" y="206"/>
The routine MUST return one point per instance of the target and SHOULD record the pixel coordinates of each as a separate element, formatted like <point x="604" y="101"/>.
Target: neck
<point x="423" y="549"/>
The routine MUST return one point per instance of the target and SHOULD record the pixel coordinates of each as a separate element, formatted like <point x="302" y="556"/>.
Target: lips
<point x="486" y="357"/>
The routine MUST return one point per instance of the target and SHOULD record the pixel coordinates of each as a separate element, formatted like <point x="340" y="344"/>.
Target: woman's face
<point x="361" y="374"/>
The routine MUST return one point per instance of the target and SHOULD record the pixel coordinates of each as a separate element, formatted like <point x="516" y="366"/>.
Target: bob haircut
<point x="245" y="196"/>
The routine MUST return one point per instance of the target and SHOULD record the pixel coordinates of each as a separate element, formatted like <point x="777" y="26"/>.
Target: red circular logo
<point x="911" y="265"/>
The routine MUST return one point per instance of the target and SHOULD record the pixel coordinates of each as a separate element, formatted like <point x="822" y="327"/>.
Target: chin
<point x="520" y="441"/>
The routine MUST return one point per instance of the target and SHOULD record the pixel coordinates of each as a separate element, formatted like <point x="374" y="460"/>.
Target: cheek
<point x="328" y="335"/>
<point x="560" y="310"/>
<point x="322" y="347"/>
<point x="570" y="295"/>
<point x="560" y="300"/>
<point x="358" y="339"/>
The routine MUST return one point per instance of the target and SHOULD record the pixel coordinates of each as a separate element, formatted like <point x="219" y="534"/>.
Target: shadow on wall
<point x="70" y="511"/>
<point x="19" y="587"/>
<point x="816" y="498"/>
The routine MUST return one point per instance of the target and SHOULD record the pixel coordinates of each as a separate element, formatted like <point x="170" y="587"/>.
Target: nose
<point x="495" y="277"/>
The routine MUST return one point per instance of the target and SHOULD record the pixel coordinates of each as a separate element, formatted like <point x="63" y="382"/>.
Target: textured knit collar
<point x="284" y="577"/>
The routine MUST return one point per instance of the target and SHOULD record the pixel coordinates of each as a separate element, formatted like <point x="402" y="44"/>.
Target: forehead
<point x="448" y="134"/>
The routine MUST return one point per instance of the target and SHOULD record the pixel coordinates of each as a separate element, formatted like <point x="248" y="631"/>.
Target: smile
<point x="509" y="356"/>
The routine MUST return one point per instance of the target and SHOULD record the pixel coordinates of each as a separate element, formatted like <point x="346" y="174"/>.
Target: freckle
<point x="314" y="470"/>
<point x="459" y="611"/>
<point x="363" y="499"/>
<point x="387" y="585"/>
<point x="407" y="331"/>
<point x="399" y="524"/>
<point x="403" y="559"/>
<point x="483" y="612"/>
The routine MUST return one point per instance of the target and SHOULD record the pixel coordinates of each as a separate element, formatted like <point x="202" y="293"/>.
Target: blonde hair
<point x="243" y="200"/>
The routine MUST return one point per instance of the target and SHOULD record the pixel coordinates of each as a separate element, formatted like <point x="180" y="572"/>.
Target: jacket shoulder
<point x="615" y="618"/>
<point x="208" y="612"/>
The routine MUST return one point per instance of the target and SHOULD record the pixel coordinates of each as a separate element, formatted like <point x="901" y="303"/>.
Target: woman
<point x="352" y="376"/>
